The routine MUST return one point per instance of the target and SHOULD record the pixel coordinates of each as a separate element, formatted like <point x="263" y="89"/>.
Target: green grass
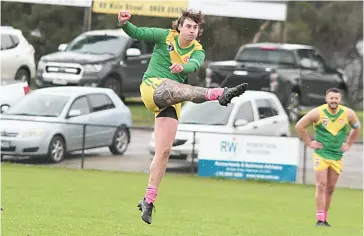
<point x="55" y="201"/>
<point x="141" y="115"/>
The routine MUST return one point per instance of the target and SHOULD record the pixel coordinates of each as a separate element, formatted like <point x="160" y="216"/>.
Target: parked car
<point x="11" y="92"/>
<point x="49" y="122"/>
<point x="253" y="113"/>
<point x="17" y="55"/>
<point x="297" y="74"/>
<point x="99" y="58"/>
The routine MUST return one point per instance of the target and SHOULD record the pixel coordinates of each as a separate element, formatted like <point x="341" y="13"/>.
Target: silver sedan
<point x="52" y="122"/>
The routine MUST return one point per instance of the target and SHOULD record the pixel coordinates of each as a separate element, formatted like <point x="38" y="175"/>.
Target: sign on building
<point x="170" y="9"/>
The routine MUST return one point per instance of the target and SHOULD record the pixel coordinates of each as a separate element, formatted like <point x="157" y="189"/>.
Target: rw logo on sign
<point x="228" y="146"/>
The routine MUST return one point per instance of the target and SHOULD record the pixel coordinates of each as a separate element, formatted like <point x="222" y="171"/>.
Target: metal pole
<point x="304" y="164"/>
<point x="193" y="152"/>
<point x="83" y="145"/>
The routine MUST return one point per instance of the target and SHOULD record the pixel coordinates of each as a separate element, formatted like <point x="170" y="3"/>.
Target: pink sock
<point x="326" y="213"/>
<point x="320" y="215"/>
<point x="213" y="93"/>
<point x="151" y="194"/>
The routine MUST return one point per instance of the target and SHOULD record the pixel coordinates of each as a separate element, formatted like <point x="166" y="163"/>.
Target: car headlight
<point x="34" y="133"/>
<point x="92" y="68"/>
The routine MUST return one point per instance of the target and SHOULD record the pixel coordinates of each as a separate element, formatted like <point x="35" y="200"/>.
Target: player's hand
<point x="345" y="147"/>
<point x="123" y="17"/>
<point x="176" y="68"/>
<point x="315" y="145"/>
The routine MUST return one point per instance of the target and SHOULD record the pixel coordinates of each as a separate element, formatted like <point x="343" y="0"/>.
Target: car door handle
<point x="144" y="61"/>
<point x="275" y="122"/>
<point x="255" y="127"/>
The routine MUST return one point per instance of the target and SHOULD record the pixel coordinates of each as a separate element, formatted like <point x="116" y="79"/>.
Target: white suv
<point x="17" y="55"/>
<point x="253" y="113"/>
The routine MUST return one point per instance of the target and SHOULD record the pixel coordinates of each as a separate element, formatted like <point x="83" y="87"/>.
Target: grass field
<point x="42" y="201"/>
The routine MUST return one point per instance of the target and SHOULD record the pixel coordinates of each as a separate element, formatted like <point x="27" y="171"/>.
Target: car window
<point x="317" y="61"/>
<point x="264" y="109"/>
<point x="276" y="56"/>
<point x="40" y="104"/>
<point x="100" y="102"/>
<point x="82" y="105"/>
<point x="98" y="44"/>
<point x="273" y="106"/>
<point x="207" y="113"/>
<point x="310" y="59"/>
<point x="6" y="42"/>
<point x="15" y="40"/>
<point x="245" y="112"/>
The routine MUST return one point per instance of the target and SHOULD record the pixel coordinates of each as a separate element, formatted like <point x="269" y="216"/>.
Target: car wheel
<point x="293" y="108"/>
<point x="120" y="141"/>
<point x="57" y="149"/>
<point x="22" y="75"/>
<point x="113" y="84"/>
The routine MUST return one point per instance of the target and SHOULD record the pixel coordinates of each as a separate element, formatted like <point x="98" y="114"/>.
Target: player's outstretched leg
<point x="170" y="92"/>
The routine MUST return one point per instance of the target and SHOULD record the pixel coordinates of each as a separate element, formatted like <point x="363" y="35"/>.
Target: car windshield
<point x="97" y="44"/>
<point x="35" y="104"/>
<point x="208" y="113"/>
<point x="268" y="56"/>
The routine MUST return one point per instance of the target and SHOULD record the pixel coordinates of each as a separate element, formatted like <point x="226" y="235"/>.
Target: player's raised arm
<point x="355" y="125"/>
<point x="308" y="119"/>
<point x="150" y="34"/>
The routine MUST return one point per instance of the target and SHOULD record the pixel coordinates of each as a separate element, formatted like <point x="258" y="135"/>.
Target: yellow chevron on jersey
<point x="331" y="130"/>
<point x="333" y="122"/>
<point x="178" y="54"/>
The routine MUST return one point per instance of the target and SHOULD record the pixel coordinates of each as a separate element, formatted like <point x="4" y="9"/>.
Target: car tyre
<point x="114" y="84"/>
<point x="57" y="149"/>
<point x="22" y="75"/>
<point x="120" y="141"/>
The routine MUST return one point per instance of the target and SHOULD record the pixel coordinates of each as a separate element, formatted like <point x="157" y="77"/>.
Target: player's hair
<point x="333" y="90"/>
<point x="196" y="16"/>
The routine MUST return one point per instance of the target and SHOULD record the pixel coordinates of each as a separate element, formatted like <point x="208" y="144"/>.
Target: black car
<point x="297" y="74"/>
<point x="100" y="58"/>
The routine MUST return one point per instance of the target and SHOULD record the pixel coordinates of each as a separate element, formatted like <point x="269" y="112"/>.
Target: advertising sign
<point x="170" y="9"/>
<point x="249" y="157"/>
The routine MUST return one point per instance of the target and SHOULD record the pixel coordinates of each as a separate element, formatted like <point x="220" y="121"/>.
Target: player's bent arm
<point x="196" y="60"/>
<point x="150" y="34"/>
<point x="311" y="117"/>
<point x="355" y="125"/>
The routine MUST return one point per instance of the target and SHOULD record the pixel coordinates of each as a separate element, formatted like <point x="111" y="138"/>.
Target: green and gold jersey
<point x="167" y="51"/>
<point x="331" y="131"/>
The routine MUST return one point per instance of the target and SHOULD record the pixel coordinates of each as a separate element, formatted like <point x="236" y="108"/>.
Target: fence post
<point x="193" y="152"/>
<point x="304" y="163"/>
<point x="83" y="145"/>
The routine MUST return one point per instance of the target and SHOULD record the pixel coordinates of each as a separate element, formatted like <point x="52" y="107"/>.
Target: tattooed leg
<point x="170" y="92"/>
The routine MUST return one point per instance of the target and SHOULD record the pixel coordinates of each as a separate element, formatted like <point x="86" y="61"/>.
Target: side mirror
<point x="4" y="108"/>
<point x="241" y="122"/>
<point x="133" y="52"/>
<point x="62" y="47"/>
<point x="73" y="113"/>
